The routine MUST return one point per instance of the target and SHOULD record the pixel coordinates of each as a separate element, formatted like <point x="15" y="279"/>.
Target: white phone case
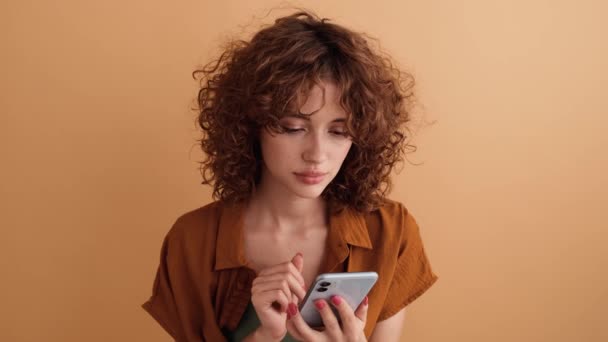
<point x="351" y="286"/>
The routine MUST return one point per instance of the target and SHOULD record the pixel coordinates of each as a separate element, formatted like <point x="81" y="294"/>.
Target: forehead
<point x="322" y="99"/>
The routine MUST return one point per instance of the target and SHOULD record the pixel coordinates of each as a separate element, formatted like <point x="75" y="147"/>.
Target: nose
<point x="314" y="151"/>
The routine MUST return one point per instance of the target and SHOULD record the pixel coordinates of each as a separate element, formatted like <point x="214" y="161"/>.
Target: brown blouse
<point x="203" y="283"/>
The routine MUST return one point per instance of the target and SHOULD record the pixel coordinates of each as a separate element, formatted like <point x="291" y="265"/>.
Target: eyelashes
<point x="290" y="130"/>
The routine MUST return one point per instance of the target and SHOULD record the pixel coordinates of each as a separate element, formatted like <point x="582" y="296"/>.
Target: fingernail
<point x="320" y="304"/>
<point x="292" y="310"/>
<point x="336" y="300"/>
<point x="365" y="300"/>
<point x="300" y="254"/>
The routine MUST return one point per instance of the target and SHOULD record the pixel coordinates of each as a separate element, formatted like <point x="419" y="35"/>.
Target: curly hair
<point x="255" y="83"/>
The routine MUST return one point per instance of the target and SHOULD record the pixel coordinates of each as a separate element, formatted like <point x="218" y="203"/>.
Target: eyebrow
<point x="307" y="117"/>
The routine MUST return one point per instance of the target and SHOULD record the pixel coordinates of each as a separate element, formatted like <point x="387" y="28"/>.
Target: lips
<point x="310" y="178"/>
<point x="310" y="174"/>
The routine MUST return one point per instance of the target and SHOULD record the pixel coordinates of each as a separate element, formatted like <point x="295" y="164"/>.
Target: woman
<point x="302" y="127"/>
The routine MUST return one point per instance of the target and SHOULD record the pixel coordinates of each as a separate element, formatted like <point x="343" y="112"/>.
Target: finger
<point x="298" y="261"/>
<point x="347" y="316"/>
<point x="293" y="284"/>
<point x="361" y="312"/>
<point x="280" y="284"/>
<point x="286" y="267"/>
<point x="266" y="298"/>
<point x="272" y="286"/>
<point x="329" y="319"/>
<point x="293" y="331"/>
<point x="296" y="323"/>
<point x="294" y="298"/>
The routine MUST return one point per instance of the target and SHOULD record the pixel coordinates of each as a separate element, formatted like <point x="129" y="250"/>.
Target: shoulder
<point x="198" y="218"/>
<point x="196" y="226"/>
<point x="392" y="227"/>
<point x="391" y="220"/>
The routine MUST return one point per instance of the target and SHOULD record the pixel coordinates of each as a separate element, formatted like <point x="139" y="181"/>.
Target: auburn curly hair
<point x="255" y="83"/>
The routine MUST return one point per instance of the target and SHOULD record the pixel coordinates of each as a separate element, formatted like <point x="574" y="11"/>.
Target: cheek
<point x="344" y="150"/>
<point x="274" y="150"/>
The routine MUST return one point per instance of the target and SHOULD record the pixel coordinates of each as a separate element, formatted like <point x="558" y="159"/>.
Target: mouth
<point x="310" y="174"/>
<point x="310" y="177"/>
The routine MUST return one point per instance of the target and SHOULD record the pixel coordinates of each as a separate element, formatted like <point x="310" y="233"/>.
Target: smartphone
<point x="351" y="286"/>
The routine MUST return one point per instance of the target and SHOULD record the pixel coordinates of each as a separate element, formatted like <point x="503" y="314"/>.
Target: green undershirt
<point x="249" y="322"/>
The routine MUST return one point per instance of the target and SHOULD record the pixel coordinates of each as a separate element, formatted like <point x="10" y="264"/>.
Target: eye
<point x="290" y="130"/>
<point x="339" y="132"/>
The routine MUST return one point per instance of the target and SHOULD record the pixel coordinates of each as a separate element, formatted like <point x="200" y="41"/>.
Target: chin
<point x="310" y="192"/>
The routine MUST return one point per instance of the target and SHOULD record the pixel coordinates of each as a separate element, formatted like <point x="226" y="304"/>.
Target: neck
<point x="276" y="210"/>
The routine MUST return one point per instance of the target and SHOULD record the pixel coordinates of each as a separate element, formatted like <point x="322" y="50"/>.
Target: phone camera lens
<point x="325" y="284"/>
<point x="322" y="289"/>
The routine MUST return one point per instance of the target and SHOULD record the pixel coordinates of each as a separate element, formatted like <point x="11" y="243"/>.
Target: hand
<point x="353" y="323"/>
<point x="273" y="290"/>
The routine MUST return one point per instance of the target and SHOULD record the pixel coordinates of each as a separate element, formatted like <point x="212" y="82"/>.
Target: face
<point x="308" y="155"/>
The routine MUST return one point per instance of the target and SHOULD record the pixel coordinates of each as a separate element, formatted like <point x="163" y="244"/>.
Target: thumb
<point x="298" y="261"/>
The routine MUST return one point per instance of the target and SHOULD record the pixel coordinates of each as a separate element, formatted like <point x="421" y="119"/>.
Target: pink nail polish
<point x="336" y="300"/>
<point x="292" y="309"/>
<point x="365" y="300"/>
<point x="319" y="304"/>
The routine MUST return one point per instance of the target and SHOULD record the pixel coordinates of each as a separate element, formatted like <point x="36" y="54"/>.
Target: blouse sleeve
<point x="161" y="305"/>
<point x="413" y="273"/>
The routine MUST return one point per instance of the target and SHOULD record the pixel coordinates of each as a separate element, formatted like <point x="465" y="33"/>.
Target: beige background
<point x="99" y="159"/>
